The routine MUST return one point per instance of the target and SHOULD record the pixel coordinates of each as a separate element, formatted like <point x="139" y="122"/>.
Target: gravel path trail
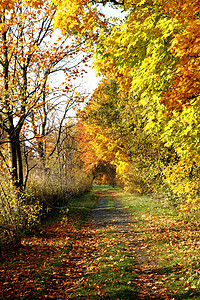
<point x="149" y="278"/>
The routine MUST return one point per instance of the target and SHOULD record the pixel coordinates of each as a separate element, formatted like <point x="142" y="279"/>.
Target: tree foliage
<point x="154" y="58"/>
<point x="32" y="52"/>
<point x="115" y="125"/>
<point x="34" y="102"/>
<point x="144" y="116"/>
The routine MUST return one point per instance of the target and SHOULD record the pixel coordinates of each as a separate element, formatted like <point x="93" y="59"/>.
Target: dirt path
<point x="149" y="280"/>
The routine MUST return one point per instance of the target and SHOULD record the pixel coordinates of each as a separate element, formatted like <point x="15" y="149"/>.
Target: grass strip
<point x="80" y="207"/>
<point x="109" y="271"/>
<point x="110" y="203"/>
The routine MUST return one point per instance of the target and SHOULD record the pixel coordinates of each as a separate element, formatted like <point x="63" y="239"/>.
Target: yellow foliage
<point x="7" y="4"/>
<point x="14" y="212"/>
<point x="10" y="4"/>
<point x="77" y="15"/>
<point x="184" y="181"/>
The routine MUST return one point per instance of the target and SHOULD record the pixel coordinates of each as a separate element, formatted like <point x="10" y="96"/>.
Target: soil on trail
<point x="149" y="281"/>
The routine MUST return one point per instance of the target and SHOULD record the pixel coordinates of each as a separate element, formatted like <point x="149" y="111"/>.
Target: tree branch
<point x="116" y="2"/>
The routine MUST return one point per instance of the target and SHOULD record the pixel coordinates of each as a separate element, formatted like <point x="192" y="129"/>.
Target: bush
<point x="16" y="214"/>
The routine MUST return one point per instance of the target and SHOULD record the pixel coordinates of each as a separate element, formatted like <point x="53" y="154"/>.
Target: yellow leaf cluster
<point x="10" y="4"/>
<point x="7" y="4"/>
<point x="184" y="181"/>
<point x="79" y="16"/>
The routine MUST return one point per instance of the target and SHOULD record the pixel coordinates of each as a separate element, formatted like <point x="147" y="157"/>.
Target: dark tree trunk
<point x="19" y="163"/>
<point x="15" y="159"/>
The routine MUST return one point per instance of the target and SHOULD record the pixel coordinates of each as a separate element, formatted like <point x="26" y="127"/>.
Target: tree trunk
<point x="12" y="157"/>
<point x="19" y="163"/>
<point x="15" y="159"/>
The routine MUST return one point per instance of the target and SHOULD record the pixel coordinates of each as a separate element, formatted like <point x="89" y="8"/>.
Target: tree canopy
<point x="153" y="57"/>
<point x="144" y="116"/>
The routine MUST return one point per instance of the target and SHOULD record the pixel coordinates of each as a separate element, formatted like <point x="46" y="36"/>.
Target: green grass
<point x="110" y="272"/>
<point x="79" y="208"/>
<point x="174" y="242"/>
<point x="110" y="202"/>
<point x="104" y="188"/>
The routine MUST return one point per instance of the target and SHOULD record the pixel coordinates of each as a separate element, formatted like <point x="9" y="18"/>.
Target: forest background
<point x="138" y="130"/>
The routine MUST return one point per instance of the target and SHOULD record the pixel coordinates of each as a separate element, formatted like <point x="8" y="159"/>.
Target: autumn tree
<point x="49" y="123"/>
<point x="64" y="176"/>
<point x="32" y="52"/>
<point x="115" y="125"/>
<point x="104" y="173"/>
<point x="154" y="57"/>
<point x="101" y="171"/>
<point x="85" y="147"/>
